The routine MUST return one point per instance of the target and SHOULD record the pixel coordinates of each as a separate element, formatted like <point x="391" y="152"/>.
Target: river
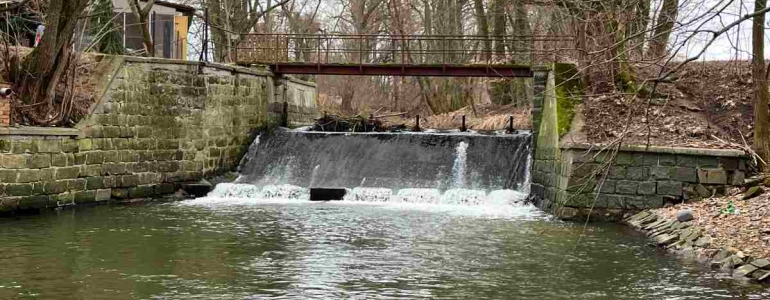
<point x="257" y="248"/>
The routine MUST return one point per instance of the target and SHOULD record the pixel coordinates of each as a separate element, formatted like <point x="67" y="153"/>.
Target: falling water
<point x="458" y="168"/>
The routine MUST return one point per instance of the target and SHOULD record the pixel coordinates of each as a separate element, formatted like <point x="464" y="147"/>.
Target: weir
<point x="427" y="167"/>
<point x="388" y="160"/>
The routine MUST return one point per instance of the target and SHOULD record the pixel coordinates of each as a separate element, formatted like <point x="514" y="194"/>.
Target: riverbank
<point x="730" y="233"/>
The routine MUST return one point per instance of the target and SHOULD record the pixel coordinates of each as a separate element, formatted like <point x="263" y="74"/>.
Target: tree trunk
<point x="142" y="14"/>
<point x="498" y="9"/>
<point x="483" y="28"/>
<point x="638" y="26"/>
<point x="761" y="118"/>
<point x="663" y="26"/>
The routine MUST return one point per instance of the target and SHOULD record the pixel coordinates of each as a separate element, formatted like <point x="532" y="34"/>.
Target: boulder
<point x="702" y="191"/>
<point x="745" y="270"/>
<point x="761" y="275"/>
<point x="684" y="215"/>
<point x="761" y="263"/>
<point x="752" y="192"/>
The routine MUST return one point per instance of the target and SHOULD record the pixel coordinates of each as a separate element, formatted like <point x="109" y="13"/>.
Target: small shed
<point x="169" y="24"/>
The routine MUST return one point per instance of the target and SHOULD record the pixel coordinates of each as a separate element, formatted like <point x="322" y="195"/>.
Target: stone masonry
<point x="158" y="123"/>
<point x="568" y="180"/>
<point x="5" y="112"/>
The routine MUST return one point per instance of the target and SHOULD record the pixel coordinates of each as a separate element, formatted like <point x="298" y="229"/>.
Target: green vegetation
<point x="570" y="90"/>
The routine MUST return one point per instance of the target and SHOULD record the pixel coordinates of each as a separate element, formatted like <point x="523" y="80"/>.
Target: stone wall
<point x="301" y="99"/>
<point x="569" y="180"/>
<point x="158" y="123"/>
<point x="5" y="112"/>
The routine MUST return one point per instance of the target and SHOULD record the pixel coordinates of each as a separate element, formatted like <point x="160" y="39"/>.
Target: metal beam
<point x="403" y="70"/>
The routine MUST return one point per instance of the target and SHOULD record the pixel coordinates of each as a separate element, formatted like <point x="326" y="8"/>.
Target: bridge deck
<point x="453" y="70"/>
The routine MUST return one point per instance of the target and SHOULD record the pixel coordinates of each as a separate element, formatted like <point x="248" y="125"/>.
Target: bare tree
<point x="759" y="74"/>
<point x="142" y="14"/>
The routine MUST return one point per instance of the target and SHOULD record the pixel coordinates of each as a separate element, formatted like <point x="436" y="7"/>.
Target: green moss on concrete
<point x="570" y="90"/>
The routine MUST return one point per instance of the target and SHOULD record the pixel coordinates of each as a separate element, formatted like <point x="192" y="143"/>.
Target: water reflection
<point x="300" y="250"/>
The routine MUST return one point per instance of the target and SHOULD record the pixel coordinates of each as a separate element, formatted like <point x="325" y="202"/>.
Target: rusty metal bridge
<point x="395" y="55"/>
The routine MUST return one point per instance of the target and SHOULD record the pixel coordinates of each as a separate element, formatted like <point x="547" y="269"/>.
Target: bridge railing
<point x="384" y="49"/>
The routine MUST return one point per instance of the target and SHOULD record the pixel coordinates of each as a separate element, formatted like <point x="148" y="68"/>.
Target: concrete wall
<point x="158" y="123"/>
<point x="301" y="98"/>
<point x="574" y="181"/>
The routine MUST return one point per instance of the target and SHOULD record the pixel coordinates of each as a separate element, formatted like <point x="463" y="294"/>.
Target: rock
<point x="703" y="242"/>
<point x="722" y="254"/>
<point x="745" y="270"/>
<point x="761" y="275"/>
<point x="731" y="262"/>
<point x="761" y="263"/>
<point x="766" y="182"/>
<point x="665" y="239"/>
<point x="702" y="191"/>
<point x="752" y="192"/>
<point x="684" y="215"/>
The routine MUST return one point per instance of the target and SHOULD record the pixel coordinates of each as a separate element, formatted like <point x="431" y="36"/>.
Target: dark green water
<point x="204" y="249"/>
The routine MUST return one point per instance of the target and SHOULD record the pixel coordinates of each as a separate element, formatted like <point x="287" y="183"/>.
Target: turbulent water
<point x="441" y="233"/>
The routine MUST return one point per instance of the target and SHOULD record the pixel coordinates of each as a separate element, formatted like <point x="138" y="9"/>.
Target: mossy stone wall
<point x="157" y="123"/>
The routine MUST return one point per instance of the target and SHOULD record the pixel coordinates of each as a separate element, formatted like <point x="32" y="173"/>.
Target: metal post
<point x="462" y="127"/>
<point x="285" y="113"/>
<point x="510" y="125"/>
<point x="417" y="124"/>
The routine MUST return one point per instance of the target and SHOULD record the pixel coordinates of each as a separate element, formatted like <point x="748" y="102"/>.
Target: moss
<point x="570" y="90"/>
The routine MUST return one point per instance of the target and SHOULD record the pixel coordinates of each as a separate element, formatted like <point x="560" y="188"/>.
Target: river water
<point x="257" y="244"/>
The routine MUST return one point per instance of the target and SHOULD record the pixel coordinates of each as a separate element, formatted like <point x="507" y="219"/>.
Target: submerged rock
<point x="684" y="215"/>
<point x="745" y="270"/>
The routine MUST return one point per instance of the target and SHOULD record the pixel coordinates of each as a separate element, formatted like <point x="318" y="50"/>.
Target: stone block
<point x="55" y="187"/>
<point x="14" y="161"/>
<point x="85" y="197"/>
<point x="67" y="172"/>
<point x="671" y="188"/>
<point x="8" y="176"/>
<point x="647" y="188"/>
<point x="608" y="187"/>
<point x="684" y="174"/>
<point x="120" y="193"/>
<point x="667" y="160"/>
<point x="34" y="202"/>
<point x="69" y="146"/>
<point x="39" y="161"/>
<point x="728" y="163"/>
<point x="702" y="191"/>
<point x="708" y="162"/>
<point x="85" y="144"/>
<point x="129" y="180"/>
<point x="617" y="172"/>
<point x="716" y="177"/>
<point x="90" y="170"/>
<point x="47" y="174"/>
<point x="737" y="178"/>
<point x="111" y="131"/>
<point x="95" y="157"/>
<point x="634" y="202"/>
<point x="164" y="188"/>
<point x="626" y="187"/>
<point x="49" y="146"/>
<point x="613" y="201"/>
<point x="114" y="169"/>
<point x="637" y="173"/>
<point x="60" y="160"/>
<point x="142" y="191"/>
<point x="687" y="161"/>
<point x="28" y="175"/>
<point x="94" y="183"/>
<point x="103" y="195"/>
<point x="18" y="189"/>
<point x="79" y="159"/>
<point x="111" y="156"/>
<point x="23" y="146"/>
<point x="78" y="184"/>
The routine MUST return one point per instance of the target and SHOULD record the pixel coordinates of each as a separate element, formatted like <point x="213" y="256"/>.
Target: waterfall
<point x="458" y="168"/>
<point x="436" y="160"/>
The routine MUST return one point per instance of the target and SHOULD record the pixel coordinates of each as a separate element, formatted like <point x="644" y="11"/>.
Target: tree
<point x="43" y="69"/>
<point x="668" y="12"/>
<point x="759" y="75"/>
<point x="104" y="29"/>
<point x="483" y="27"/>
<point x="142" y="14"/>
